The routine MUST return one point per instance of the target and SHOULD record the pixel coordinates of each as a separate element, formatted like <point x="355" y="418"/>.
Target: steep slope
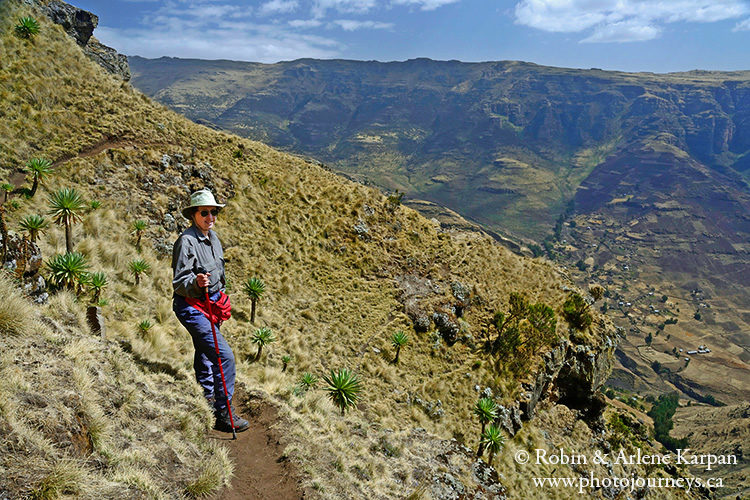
<point x="657" y="162"/>
<point x="345" y="268"/>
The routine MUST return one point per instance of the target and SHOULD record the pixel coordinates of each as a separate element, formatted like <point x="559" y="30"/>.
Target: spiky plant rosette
<point x="254" y="288"/>
<point x="399" y="339"/>
<point x="33" y="224"/>
<point x="67" y="270"/>
<point x="66" y="206"/>
<point x="344" y="388"/>
<point x="306" y="382"/>
<point x="27" y="27"/>
<point x="263" y="336"/>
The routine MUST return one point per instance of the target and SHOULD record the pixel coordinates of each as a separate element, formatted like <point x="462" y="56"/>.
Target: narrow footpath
<point x="261" y="472"/>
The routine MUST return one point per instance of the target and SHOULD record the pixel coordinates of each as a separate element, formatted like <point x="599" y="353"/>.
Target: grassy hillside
<point x="122" y="417"/>
<point x="634" y="181"/>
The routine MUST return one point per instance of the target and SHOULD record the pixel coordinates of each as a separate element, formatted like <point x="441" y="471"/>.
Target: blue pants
<point x="206" y="363"/>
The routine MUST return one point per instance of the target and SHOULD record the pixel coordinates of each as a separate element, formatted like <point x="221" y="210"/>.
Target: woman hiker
<point x="198" y="263"/>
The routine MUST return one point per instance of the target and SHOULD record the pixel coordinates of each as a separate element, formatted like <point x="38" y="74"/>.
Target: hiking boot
<point x="224" y="424"/>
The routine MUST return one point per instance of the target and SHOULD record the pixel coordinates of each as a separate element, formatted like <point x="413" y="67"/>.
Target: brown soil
<point x="261" y="470"/>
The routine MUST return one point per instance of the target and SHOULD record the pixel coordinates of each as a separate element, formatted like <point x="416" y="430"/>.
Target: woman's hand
<point x="202" y="280"/>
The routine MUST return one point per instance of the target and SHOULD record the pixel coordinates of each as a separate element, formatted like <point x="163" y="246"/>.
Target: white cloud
<point x="623" y="20"/>
<point x="305" y="23"/>
<point x="321" y="7"/>
<point x="278" y="7"/>
<point x="218" y="30"/>
<point x="425" y="4"/>
<point x="624" y="31"/>
<point x="742" y="25"/>
<point x="351" y="25"/>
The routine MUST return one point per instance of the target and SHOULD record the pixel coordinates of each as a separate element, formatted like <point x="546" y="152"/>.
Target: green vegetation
<point x="399" y="340"/>
<point x="137" y="229"/>
<point x="6" y="189"/>
<point x="492" y="439"/>
<point x="144" y="326"/>
<point x="66" y="207"/>
<point x="68" y="271"/>
<point x="138" y="267"/>
<point x="662" y="413"/>
<point x="344" y="388"/>
<point x="522" y="331"/>
<point x="97" y="282"/>
<point x="306" y="382"/>
<point x="254" y="288"/>
<point x="39" y="168"/>
<point x="27" y="27"/>
<point x="34" y="224"/>
<point x="262" y="337"/>
<point x="576" y="312"/>
<point x="285" y="359"/>
<point x="486" y="410"/>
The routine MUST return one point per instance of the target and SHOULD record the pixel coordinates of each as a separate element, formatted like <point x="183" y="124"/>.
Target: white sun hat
<point x="201" y="198"/>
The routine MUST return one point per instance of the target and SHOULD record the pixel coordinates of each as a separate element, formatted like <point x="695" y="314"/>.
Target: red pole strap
<point x="218" y="356"/>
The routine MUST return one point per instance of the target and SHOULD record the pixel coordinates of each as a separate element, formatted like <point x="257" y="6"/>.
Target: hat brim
<point x="186" y="211"/>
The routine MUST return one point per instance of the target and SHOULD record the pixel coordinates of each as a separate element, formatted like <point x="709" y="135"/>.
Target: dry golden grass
<point x="331" y="301"/>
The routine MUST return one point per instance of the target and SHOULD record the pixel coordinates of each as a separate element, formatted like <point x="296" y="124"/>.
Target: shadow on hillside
<point x="153" y="366"/>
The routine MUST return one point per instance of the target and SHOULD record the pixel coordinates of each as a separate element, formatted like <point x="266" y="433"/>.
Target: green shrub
<point x="138" y="267"/>
<point x="254" y="288"/>
<point x="27" y="27"/>
<point x="576" y="312"/>
<point x="486" y="410"/>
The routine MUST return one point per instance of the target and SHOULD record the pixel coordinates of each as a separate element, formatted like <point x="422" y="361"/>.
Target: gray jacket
<point x="191" y="252"/>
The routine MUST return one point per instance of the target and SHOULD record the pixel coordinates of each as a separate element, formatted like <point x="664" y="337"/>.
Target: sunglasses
<point x="204" y="213"/>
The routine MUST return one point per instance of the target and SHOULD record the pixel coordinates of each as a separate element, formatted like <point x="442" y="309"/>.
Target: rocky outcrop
<point x="108" y="58"/>
<point x="572" y="375"/>
<point x="449" y="469"/>
<point x="24" y="260"/>
<point x="80" y="24"/>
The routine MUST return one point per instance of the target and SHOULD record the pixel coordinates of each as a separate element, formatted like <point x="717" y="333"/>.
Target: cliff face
<point x="572" y="375"/>
<point x="80" y="24"/>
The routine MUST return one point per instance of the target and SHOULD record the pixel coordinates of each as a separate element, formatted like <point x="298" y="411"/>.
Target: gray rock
<point x="362" y="230"/>
<point x="446" y="326"/>
<point x="78" y="23"/>
<point x="108" y="58"/>
<point x="166" y="161"/>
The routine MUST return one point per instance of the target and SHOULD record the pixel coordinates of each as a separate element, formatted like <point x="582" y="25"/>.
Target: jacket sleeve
<point x="183" y="262"/>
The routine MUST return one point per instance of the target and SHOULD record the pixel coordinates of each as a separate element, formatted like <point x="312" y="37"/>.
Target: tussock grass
<point x="16" y="313"/>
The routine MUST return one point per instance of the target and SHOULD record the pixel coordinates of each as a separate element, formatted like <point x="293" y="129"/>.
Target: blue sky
<point x="628" y="35"/>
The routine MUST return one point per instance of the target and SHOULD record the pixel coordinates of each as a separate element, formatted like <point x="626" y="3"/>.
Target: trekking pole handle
<point x="202" y="270"/>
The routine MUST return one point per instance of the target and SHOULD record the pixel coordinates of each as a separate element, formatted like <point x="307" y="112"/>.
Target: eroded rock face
<point x="108" y="58"/>
<point x="80" y="24"/>
<point x="575" y="373"/>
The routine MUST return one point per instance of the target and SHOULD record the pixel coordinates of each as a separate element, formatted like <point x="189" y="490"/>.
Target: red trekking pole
<point x="221" y="370"/>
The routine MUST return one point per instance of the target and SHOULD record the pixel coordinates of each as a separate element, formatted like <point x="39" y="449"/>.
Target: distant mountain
<point x="504" y="143"/>
<point x="639" y="179"/>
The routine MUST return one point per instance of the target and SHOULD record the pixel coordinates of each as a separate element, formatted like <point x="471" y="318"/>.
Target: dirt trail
<point x="261" y="472"/>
